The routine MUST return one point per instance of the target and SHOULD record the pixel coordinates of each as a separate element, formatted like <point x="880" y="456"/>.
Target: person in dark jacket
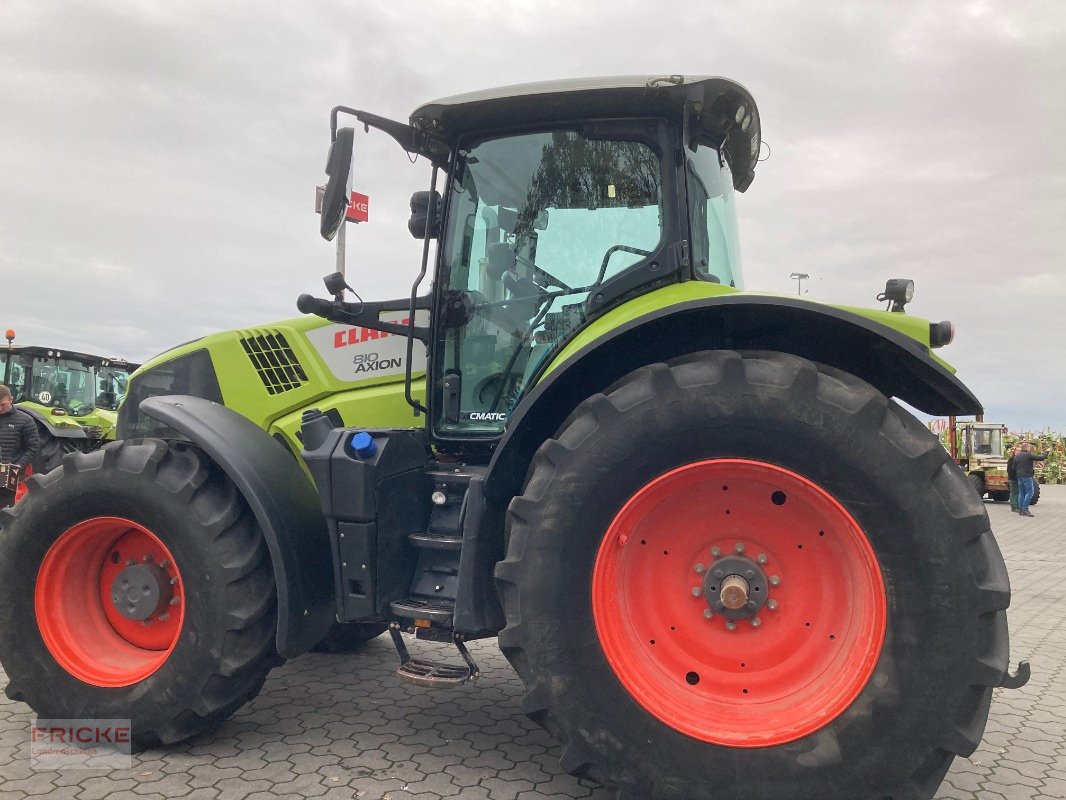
<point x="18" y="438"/>
<point x="1012" y="478"/>
<point x="1023" y="465"/>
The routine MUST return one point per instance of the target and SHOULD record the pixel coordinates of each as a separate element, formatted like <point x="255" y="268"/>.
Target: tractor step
<point x="435" y="675"/>
<point x="436" y="541"/>
<point x="412" y="608"/>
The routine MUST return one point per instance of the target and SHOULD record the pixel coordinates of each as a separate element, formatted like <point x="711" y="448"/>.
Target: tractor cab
<point x="52" y="379"/>
<point x="72" y="383"/>
<point x="546" y="229"/>
<point x="112" y="380"/>
<point x="607" y="190"/>
<point x="72" y="396"/>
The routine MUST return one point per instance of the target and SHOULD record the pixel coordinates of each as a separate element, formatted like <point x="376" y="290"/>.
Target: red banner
<point x="359" y="210"/>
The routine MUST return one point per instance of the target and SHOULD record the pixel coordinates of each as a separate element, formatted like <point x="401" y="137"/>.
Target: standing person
<point x="18" y="438"/>
<point x="1023" y="465"/>
<point x="1012" y="477"/>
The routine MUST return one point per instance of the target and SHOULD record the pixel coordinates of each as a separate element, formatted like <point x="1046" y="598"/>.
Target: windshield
<point x="62" y="383"/>
<point x="111" y="386"/>
<point x="715" y="238"/>
<point x="537" y="222"/>
<point x="987" y="442"/>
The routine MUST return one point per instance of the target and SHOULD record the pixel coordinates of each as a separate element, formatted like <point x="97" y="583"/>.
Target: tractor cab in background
<point x="72" y="396"/>
<point x="977" y="447"/>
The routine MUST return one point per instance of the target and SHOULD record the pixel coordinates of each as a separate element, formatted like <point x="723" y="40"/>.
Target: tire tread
<point x="928" y="464"/>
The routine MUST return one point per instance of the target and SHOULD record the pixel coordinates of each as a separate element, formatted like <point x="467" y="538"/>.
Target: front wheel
<point x="135" y="584"/>
<point x="745" y="575"/>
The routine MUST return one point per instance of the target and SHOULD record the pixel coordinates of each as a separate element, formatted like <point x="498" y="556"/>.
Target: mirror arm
<point x="409" y="138"/>
<point x="333" y="119"/>
<point x="366" y="314"/>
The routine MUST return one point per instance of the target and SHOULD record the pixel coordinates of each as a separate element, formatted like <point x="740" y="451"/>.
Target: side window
<point x="15" y="381"/>
<point x="536" y="223"/>
<point x="715" y="236"/>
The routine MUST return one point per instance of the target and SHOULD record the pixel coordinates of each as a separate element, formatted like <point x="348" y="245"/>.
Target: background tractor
<point x="979" y="449"/>
<point x="74" y="397"/>
<point x="721" y="558"/>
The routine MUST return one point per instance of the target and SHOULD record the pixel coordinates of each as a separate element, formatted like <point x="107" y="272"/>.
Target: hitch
<point x="1019" y="678"/>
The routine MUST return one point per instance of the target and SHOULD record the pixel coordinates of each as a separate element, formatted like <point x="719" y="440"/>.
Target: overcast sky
<point x="158" y="160"/>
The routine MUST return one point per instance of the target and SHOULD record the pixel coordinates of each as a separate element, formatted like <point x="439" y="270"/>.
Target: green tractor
<point x="73" y="397"/>
<point x="722" y="559"/>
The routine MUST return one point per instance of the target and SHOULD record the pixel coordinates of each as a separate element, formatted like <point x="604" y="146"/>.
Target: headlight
<point x="898" y="292"/>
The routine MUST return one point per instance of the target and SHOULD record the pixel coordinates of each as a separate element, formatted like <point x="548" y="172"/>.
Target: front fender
<point x="284" y="503"/>
<point x="76" y="432"/>
<point x="894" y="363"/>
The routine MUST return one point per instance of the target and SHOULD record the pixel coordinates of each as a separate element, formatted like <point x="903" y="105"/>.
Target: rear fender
<point x="889" y="360"/>
<point x="284" y="502"/>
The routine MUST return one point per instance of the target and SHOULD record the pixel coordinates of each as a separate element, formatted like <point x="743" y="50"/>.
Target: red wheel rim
<point x="763" y="683"/>
<point x="76" y="613"/>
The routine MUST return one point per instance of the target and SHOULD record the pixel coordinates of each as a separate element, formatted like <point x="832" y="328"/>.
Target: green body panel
<point x="676" y="294"/>
<point x="101" y="418"/>
<point x="373" y="402"/>
<point x="46" y="412"/>
<point x="106" y="420"/>
<point x="374" y="406"/>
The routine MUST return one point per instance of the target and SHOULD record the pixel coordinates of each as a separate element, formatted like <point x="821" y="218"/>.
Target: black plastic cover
<point x="190" y="374"/>
<point x="371" y="505"/>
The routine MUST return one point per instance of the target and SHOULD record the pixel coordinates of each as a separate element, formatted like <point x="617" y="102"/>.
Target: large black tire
<point x="1036" y="494"/>
<point x="349" y="637"/>
<point x="977" y="481"/>
<point x="225" y="646"/>
<point x="945" y="644"/>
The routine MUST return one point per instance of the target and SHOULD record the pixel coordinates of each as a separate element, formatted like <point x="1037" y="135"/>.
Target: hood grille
<point x="274" y="361"/>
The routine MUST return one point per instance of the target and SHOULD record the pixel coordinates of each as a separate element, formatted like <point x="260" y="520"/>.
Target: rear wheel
<point x="1036" y="493"/>
<point x="745" y="575"/>
<point x="977" y="481"/>
<point x="136" y="585"/>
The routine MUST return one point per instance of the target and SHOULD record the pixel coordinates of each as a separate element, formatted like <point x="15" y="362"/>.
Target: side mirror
<point x="339" y="186"/>
<point x="425" y="215"/>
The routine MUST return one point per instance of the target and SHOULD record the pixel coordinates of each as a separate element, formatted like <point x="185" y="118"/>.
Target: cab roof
<point x="36" y="351"/>
<point x="718" y="109"/>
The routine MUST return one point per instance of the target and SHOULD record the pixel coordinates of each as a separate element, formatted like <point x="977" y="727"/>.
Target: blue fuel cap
<point x="362" y="444"/>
